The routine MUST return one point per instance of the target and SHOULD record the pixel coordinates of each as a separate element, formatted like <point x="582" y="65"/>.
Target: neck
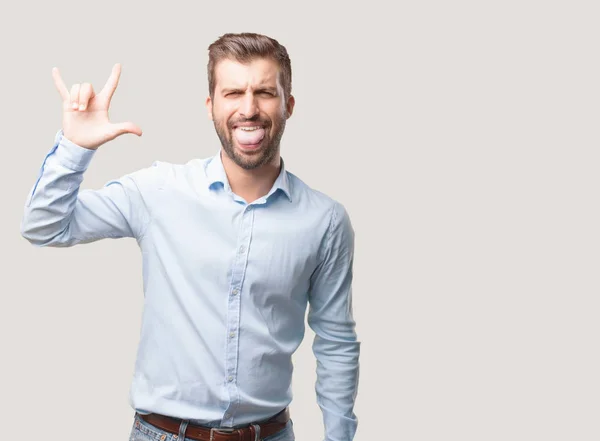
<point x="251" y="184"/>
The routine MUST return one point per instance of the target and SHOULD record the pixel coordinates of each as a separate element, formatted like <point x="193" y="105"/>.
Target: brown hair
<point x="245" y="47"/>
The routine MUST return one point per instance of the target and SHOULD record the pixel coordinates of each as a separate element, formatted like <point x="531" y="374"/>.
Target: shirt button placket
<point x="233" y="313"/>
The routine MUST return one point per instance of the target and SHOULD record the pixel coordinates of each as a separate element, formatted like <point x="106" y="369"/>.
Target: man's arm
<point x="336" y="347"/>
<point x="55" y="213"/>
<point x="58" y="214"/>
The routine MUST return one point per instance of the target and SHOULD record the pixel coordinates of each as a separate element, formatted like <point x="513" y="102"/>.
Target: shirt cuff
<point x="70" y="154"/>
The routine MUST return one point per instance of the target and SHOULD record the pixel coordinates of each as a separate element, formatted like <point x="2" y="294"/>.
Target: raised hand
<point x="85" y="114"/>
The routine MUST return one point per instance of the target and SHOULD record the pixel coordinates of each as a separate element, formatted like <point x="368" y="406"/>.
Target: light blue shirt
<point x="226" y="284"/>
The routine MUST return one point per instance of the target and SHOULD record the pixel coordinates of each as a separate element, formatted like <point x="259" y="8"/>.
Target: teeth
<point x="249" y="129"/>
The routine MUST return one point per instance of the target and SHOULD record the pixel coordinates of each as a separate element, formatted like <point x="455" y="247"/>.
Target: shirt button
<point x="242" y="249"/>
<point x="232" y="334"/>
<point x="230" y="379"/>
<point x="234" y="292"/>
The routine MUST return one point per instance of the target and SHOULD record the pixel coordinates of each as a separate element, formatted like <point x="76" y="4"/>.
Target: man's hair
<point x="244" y="48"/>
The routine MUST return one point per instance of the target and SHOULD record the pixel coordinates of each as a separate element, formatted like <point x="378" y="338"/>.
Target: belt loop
<point x="256" y="432"/>
<point x="182" y="428"/>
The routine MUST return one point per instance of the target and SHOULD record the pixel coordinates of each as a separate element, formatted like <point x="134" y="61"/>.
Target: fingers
<point x="123" y="128"/>
<point x="60" y="84"/>
<point x="128" y="127"/>
<point x="86" y="92"/>
<point x="74" y="97"/>
<point x="113" y="80"/>
<point x="80" y="95"/>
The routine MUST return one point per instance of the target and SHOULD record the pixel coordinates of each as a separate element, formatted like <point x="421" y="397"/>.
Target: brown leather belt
<point x="202" y="433"/>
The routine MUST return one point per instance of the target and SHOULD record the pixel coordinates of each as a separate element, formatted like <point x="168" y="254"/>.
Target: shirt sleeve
<point x="58" y="214"/>
<point x="335" y="346"/>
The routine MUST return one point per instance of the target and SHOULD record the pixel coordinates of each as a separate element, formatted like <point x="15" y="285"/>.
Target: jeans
<point x="144" y="431"/>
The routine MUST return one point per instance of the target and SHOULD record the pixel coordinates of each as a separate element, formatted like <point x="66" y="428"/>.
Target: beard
<point x="259" y="157"/>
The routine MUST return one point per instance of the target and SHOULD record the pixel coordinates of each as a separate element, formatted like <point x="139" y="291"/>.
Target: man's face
<point x="249" y="110"/>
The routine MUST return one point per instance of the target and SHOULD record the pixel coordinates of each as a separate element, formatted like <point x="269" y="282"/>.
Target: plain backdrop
<point x="463" y="139"/>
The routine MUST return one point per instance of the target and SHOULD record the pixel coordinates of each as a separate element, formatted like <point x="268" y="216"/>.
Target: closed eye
<point x="268" y="93"/>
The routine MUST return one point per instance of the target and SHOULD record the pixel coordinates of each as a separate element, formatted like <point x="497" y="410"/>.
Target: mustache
<point x="256" y="119"/>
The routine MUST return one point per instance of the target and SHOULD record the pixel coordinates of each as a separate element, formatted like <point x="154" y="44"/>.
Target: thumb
<point x="125" y="127"/>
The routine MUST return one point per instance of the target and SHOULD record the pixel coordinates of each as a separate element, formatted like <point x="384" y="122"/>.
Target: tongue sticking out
<point x="248" y="137"/>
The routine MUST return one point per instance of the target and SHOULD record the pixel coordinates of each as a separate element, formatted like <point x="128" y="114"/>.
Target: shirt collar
<point x="215" y="172"/>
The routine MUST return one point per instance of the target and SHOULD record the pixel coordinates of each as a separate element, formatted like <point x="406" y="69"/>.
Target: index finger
<point x="113" y="80"/>
<point x="60" y="84"/>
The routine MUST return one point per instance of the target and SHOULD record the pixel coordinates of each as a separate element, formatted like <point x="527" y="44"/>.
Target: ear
<point x="209" y="107"/>
<point x="289" y="106"/>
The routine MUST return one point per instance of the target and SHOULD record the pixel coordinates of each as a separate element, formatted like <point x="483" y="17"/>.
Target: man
<point x="234" y="249"/>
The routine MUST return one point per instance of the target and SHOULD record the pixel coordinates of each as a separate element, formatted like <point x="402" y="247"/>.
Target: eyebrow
<point x="266" y="88"/>
<point x="258" y="89"/>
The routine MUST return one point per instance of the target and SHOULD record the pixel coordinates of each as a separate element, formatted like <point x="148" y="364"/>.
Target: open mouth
<point x="248" y="136"/>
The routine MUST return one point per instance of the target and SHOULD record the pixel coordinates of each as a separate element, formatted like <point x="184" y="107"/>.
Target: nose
<point x="248" y="106"/>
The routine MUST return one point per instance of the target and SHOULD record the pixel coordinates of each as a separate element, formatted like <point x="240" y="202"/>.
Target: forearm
<point x="337" y="383"/>
<point x="58" y="214"/>
<point x="52" y="200"/>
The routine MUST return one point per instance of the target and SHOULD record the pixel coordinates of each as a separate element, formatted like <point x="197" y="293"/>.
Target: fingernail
<point x="81" y="107"/>
<point x="74" y="106"/>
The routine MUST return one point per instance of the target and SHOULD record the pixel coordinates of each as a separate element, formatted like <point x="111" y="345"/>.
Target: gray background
<point x="461" y="136"/>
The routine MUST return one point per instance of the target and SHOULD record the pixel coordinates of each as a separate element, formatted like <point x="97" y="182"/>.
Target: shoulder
<point x="329" y="206"/>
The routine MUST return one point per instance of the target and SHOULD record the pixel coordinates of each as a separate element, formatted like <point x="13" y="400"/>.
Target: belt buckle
<point x="214" y="430"/>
